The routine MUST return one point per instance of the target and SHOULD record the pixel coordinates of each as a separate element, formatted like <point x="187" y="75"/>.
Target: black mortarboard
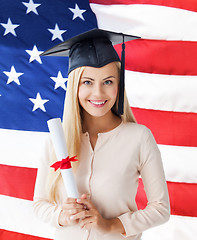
<point x="94" y="48"/>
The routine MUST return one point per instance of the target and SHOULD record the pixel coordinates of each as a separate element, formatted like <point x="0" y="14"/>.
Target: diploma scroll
<point x="59" y="143"/>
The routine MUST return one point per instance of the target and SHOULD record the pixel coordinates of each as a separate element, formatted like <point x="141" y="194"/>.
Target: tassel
<point x="122" y="81"/>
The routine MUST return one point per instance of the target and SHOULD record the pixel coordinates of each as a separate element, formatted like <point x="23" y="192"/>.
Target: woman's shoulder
<point x="138" y="132"/>
<point x="135" y="128"/>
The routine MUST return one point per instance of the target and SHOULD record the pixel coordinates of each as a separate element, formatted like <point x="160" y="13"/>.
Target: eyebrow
<point x="109" y="77"/>
<point x="94" y="79"/>
<point x="87" y="78"/>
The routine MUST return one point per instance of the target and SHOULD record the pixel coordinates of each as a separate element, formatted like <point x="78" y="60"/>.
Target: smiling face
<point x="98" y="89"/>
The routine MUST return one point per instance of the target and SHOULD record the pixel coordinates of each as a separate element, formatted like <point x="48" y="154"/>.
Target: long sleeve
<point x="43" y="208"/>
<point x="158" y="208"/>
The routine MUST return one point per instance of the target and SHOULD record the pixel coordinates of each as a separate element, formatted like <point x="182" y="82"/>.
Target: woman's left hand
<point x="91" y="218"/>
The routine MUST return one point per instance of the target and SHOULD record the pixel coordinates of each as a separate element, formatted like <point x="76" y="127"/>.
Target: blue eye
<point x="108" y="82"/>
<point x="87" y="82"/>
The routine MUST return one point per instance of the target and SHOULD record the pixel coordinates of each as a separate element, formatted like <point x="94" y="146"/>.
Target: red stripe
<point x="161" y="57"/>
<point x="8" y="235"/>
<point x="182" y="4"/>
<point x="183" y="198"/>
<point x="17" y="181"/>
<point x="169" y="128"/>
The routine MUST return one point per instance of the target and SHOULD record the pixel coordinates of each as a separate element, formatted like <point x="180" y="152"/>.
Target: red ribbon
<point x="65" y="163"/>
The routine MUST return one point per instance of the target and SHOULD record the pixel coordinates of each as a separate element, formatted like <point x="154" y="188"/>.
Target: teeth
<point x="97" y="103"/>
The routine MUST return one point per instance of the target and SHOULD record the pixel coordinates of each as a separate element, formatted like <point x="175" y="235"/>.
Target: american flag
<point x="161" y="85"/>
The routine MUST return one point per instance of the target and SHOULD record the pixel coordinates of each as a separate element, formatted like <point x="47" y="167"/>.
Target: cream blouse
<point x="109" y="174"/>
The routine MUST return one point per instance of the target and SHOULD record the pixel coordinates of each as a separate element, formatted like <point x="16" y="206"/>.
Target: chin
<point x="98" y="114"/>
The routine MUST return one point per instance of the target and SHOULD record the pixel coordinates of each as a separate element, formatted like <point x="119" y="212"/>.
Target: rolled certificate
<point x="59" y="143"/>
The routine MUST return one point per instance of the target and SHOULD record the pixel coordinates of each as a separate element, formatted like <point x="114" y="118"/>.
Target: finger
<point x="64" y="219"/>
<point x="85" y="202"/>
<point x="81" y="215"/>
<point x="89" y="226"/>
<point x="67" y="206"/>
<point x="70" y="200"/>
<point x="84" y="196"/>
<point x="73" y="211"/>
<point x="87" y="221"/>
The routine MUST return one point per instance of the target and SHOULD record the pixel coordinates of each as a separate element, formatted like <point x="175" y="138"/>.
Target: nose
<point x="98" y="89"/>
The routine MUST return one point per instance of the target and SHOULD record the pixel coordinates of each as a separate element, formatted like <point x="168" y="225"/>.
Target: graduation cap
<point x="95" y="49"/>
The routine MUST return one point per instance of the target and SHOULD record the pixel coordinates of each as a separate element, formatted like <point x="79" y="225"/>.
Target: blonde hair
<point x="72" y="120"/>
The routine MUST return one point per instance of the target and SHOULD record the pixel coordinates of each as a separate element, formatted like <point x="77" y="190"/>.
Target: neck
<point x="95" y="125"/>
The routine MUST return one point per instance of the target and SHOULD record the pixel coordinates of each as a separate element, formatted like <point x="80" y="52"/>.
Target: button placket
<point x="91" y="162"/>
<point x="92" y="157"/>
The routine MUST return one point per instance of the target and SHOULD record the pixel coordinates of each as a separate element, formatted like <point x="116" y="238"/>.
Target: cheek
<point x="81" y="94"/>
<point x="114" y="92"/>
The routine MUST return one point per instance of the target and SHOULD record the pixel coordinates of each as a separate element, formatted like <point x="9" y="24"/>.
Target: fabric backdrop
<point x="161" y="83"/>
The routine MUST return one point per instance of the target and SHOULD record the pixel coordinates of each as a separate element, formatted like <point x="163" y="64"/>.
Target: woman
<point x="113" y="151"/>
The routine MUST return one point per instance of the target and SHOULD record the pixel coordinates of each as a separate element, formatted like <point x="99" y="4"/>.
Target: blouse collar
<point x="108" y="133"/>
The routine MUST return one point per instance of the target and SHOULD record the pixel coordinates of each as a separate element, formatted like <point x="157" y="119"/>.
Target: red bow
<point x="65" y="163"/>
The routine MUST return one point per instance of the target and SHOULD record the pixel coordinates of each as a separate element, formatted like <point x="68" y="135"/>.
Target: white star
<point x="57" y="33"/>
<point x="59" y="81"/>
<point x="9" y="27"/>
<point x="77" y="12"/>
<point x="13" y="76"/>
<point x="34" y="54"/>
<point x="31" y="7"/>
<point x="38" y="102"/>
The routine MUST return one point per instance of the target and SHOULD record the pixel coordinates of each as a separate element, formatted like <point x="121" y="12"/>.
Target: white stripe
<point x="21" y="148"/>
<point x="179" y="163"/>
<point x="24" y="149"/>
<point x="177" y="228"/>
<point x="148" y="21"/>
<point x="161" y="92"/>
<point x="17" y="215"/>
<point x="22" y="219"/>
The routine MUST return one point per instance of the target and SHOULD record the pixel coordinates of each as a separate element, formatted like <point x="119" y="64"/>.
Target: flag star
<point x="9" y="27"/>
<point x="38" y="102"/>
<point x="57" y="33"/>
<point x="34" y="54"/>
<point x="59" y="81"/>
<point x="13" y="76"/>
<point x="77" y="12"/>
<point x="31" y="6"/>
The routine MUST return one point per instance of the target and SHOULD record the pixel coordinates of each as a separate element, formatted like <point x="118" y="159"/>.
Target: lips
<point x="98" y="103"/>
